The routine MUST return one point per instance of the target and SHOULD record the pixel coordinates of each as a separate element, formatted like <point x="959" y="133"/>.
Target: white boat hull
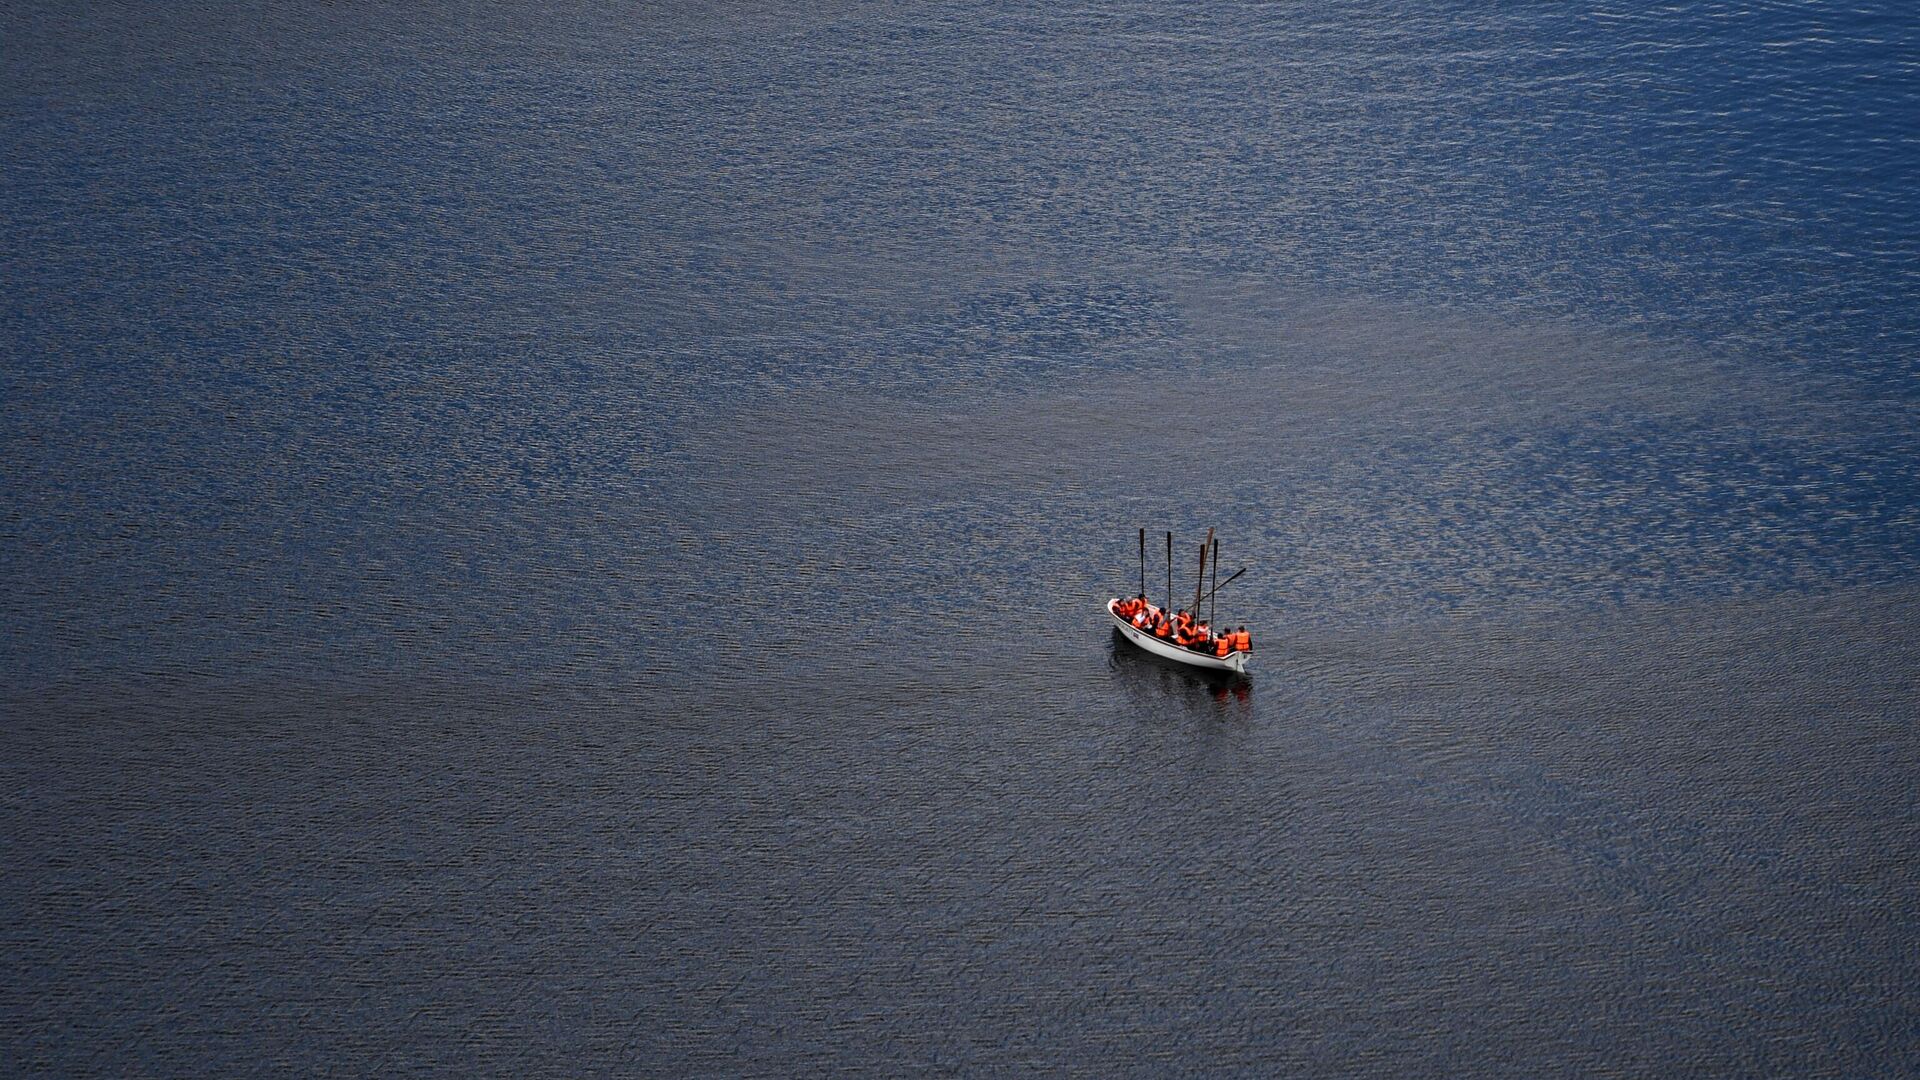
<point x="1234" y="661"/>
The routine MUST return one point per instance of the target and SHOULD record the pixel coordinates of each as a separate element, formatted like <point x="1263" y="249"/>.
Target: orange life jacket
<point x="1162" y="628"/>
<point x="1222" y="646"/>
<point x="1243" y="641"/>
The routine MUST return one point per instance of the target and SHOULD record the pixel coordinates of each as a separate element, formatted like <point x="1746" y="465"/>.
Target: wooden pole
<point x="1201" y="585"/>
<point x="1143" y="561"/>
<point x="1214" y="607"/>
<point x="1169" y="575"/>
<point x="1229" y="581"/>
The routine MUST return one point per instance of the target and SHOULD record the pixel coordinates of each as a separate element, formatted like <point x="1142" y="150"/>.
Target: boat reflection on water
<point x="1147" y="677"/>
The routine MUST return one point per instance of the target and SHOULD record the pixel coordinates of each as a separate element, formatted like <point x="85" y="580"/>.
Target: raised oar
<point x="1215" y="608"/>
<point x="1169" y="571"/>
<point x="1227" y="582"/>
<point x="1201" y="583"/>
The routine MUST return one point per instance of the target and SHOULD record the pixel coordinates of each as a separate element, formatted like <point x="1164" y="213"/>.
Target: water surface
<point x="543" y="540"/>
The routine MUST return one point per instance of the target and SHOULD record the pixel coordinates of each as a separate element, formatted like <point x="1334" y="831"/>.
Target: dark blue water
<point x="539" y="540"/>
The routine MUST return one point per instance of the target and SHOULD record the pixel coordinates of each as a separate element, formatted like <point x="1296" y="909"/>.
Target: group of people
<point x="1183" y="629"/>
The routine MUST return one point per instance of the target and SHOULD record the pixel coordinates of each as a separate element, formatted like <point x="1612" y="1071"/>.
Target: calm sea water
<point x="547" y="540"/>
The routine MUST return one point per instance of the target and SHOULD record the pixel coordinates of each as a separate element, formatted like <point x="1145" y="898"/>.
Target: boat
<point x="1235" y="662"/>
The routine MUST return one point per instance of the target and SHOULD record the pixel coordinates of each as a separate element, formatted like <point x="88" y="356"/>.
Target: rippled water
<point x="543" y="540"/>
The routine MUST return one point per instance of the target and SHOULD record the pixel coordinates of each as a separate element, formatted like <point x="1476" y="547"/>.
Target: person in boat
<point x="1162" y="626"/>
<point x="1202" y="636"/>
<point x="1125" y="608"/>
<point x="1143" y="619"/>
<point x="1232" y="641"/>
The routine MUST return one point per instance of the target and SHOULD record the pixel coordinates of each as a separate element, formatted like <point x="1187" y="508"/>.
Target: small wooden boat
<point x="1234" y="661"/>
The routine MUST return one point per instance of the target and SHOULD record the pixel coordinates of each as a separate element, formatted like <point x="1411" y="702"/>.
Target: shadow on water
<point x="1153" y="679"/>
